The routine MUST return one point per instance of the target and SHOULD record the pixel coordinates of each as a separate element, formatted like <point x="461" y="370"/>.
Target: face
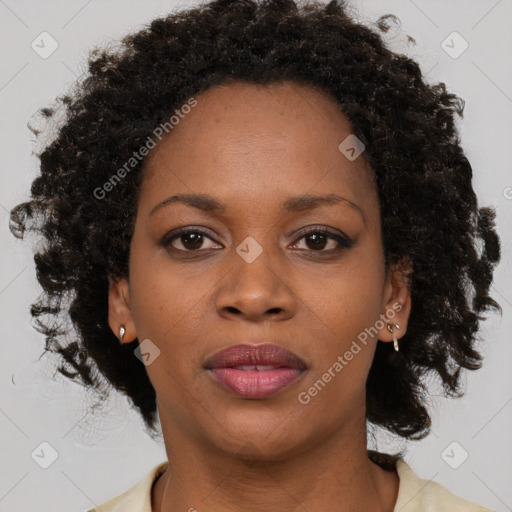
<point x="256" y="269"/>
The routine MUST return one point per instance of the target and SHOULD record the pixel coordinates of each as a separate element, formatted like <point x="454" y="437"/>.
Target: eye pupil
<point x="195" y="243"/>
<point x="318" y="240"/>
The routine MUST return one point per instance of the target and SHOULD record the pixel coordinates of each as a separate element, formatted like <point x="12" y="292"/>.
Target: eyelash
<point x="344" y="242"/>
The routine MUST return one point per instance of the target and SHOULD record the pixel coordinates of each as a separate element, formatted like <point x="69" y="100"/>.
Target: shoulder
<point x="137" y="498"/>
<point x="416" y="494"/>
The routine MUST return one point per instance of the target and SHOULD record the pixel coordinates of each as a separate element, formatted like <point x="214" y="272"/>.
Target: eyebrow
<point x="301" y="203"/>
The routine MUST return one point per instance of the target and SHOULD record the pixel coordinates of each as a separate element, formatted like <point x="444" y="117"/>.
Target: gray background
<point x="101" y="455"/>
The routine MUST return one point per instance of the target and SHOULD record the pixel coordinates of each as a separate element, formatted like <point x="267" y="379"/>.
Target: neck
<point x="335" y="476"/>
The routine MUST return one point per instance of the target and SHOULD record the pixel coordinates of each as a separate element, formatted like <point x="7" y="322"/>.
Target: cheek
<point x="165" y="296"/>
<point x="168" y="309"/>
<point x="344" y="309"/>
<point x="344" y="347"/>
<point x="172" y="306"/>
<point x="349" y="299"/>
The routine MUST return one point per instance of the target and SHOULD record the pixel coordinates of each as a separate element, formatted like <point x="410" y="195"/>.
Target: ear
<point x="119" y="311"/>
<point x="397" y="299"/>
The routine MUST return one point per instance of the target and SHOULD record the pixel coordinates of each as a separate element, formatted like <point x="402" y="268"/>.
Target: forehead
<point x="244" y="139"/>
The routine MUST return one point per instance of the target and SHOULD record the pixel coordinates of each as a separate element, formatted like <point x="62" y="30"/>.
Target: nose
<point x="258" y="290"/>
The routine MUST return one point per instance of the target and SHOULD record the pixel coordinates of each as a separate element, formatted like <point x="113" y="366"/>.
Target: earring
<point x="121" y="333"/>
<point x="395" y="341"/>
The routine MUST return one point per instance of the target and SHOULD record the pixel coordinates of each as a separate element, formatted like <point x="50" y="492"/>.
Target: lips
<point x="255" y="371"/>
<point x="255" y="355"/>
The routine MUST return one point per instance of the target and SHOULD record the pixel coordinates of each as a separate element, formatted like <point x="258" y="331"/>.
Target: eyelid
<point x="174" y="234"/>
<point x="343" y="241"/>
<point x="315" y="228"/>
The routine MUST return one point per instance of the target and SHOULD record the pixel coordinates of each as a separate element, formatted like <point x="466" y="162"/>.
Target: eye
<point x="191" y="239"/>
<point x="317" y="239"/>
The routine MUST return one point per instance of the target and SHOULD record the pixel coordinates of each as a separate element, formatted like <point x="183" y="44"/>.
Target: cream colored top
<point x="414" y="495"/>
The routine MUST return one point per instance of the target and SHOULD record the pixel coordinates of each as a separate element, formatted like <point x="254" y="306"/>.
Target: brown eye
<point x="317" y="240"/>
<point x="191" y="240"/>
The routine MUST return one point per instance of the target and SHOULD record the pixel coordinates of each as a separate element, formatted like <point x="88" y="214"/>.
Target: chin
<point x="273" y="442"/>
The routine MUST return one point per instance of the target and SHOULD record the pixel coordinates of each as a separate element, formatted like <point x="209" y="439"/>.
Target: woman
<point x="268" y="228"/>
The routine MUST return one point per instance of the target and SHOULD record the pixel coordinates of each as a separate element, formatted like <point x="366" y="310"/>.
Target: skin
<point x="252" y="147"/>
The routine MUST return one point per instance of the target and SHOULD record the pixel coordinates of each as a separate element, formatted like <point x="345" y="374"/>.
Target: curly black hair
<point x="428" y="208"/>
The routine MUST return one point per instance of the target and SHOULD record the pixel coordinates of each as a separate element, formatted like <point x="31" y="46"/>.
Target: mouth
<point x="255" y="371"/>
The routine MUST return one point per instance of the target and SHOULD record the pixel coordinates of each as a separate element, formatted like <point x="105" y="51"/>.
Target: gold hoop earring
<point x="121" y="333"/>
<point x="395" y="341"/>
